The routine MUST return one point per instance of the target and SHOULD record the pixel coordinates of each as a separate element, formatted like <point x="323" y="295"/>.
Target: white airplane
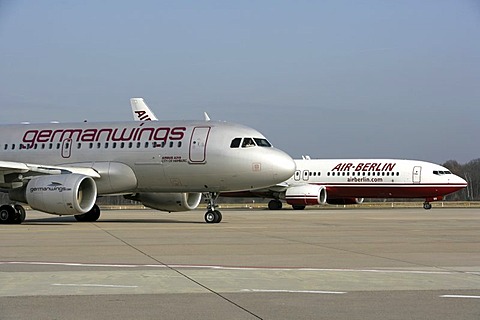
<point x="61" y="168"/>
<point x="349" y="181"/>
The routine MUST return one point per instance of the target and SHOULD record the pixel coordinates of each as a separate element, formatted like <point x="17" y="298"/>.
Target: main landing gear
<point x="90" y="216"/>
<point x="212" y="215"/>
<point x="274" y="204"/>
<point x="427" y="205"/>
<point x="12" y="214"/>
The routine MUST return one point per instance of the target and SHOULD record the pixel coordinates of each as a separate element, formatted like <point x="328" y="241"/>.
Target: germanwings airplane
<point x="61" y="168"/>
<point x="348" y="181"/>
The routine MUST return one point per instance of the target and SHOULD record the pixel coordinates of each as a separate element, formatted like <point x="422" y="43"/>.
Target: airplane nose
<point x="283" y="167"/>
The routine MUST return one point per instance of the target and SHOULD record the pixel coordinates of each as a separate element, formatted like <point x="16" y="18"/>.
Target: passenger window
<point x="235" y="143"/>
<point x="247" y="143"/>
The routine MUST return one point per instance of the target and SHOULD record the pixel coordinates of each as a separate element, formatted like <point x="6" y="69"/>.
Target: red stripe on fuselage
<point x="391" y="191"/>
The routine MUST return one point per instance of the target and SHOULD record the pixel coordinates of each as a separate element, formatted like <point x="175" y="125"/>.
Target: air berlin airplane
<point x="348" y="181"/>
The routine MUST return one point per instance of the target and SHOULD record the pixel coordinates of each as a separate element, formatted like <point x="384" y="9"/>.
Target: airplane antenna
<point x="205" y="115"/>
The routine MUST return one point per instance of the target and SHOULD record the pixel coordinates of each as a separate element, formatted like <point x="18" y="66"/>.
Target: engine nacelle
<point x="171" y="202"/>
<point x="305" y="195"/>
<point x="63" y="194"/>
<point x="345" y="201"/>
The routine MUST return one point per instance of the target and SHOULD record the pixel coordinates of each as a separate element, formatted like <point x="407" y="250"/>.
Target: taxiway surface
<point x="255" y="264"/>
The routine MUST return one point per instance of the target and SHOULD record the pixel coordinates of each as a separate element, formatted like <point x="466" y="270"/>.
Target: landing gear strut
<point x="12" y="214"/>
<point x="212" y="215"/>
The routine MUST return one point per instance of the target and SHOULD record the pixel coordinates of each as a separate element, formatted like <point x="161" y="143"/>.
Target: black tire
<point x="275" y="205"/>
<point x="218" y="216"/>
<point x="90" y="216"/>
<point x="298" y="207"/>
<point x="427" y="206"/>
<point x="20" y="214"/>
<point x="210" y="216"/>
<point x="7" y="214"/>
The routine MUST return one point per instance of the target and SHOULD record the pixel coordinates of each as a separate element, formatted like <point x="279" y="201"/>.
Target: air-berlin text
<point x="367" y="166"/>
<point x="140" y="133"/>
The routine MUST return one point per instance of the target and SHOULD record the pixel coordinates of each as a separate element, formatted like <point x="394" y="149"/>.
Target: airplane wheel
<point x="427" y="206"/>
<point x="275" y="205"/>
<point x="90" y="216"/>
<point x="7" y="214"/>
<point x="214" y="216"/>
<point x="19" y="214"/>
<point x="298" y="207"/>
<point x="218" y="216"/>
<point x="210" y="217"/>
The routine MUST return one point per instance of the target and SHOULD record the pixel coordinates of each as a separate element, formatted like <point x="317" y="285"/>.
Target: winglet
<point x="205" y="115"/>
<point x="141" y="112"/>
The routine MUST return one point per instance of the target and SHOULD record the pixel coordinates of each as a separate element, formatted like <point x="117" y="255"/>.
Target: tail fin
<point x="141" y="112"/>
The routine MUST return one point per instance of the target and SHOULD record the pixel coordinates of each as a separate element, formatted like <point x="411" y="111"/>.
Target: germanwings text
<point x="105" y="134"/>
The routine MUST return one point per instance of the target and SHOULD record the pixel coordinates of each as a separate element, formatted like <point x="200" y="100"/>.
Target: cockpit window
<point x="248" y="142"/>
<point x="235" y="143"/>
<point x="262" y="142"/>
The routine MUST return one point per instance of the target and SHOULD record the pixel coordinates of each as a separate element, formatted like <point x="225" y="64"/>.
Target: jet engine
<point x="63" y="194"/>
<point x="171" y="202"/>
<point x="345" y="201"/>
<point x="308" y="194"/>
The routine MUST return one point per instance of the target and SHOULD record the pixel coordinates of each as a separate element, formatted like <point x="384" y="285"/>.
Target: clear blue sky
<point x="332" y="79"/>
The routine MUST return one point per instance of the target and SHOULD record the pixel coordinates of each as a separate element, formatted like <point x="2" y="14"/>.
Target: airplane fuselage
<point x="160" y="156"/>
<point x="377" y="178"/>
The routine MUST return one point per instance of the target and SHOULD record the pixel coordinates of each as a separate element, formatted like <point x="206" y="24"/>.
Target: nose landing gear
<point x="212" y="215"/>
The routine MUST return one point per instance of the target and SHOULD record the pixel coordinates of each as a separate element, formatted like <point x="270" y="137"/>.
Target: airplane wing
<point x="141" y="112"/>
<point x="11" y="172"/>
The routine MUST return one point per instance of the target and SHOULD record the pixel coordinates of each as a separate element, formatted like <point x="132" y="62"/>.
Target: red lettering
<point x="30" y="137"/>
<point x="359" y="167"/>
<point x="337" y="167"/>
<point x="89" y="135"/>
<point x="44" y="135"/>
<point x="366" y="166"/>
<point x="177" y="133"/>
<point x="162" y="137"/>
<point x="389" y="166"/>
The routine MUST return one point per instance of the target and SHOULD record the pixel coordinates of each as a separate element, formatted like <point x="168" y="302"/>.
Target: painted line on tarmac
<point x="459" y="296"/>
<point x="220" y="267"/>
<point x="92" y="285"/>
<point x="291" y="291"/>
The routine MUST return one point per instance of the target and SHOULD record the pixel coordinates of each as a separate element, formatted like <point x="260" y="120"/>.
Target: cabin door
<point x="416" y="175"/>
<point x="67" y="148"/>
<point x="198" y="145"/>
